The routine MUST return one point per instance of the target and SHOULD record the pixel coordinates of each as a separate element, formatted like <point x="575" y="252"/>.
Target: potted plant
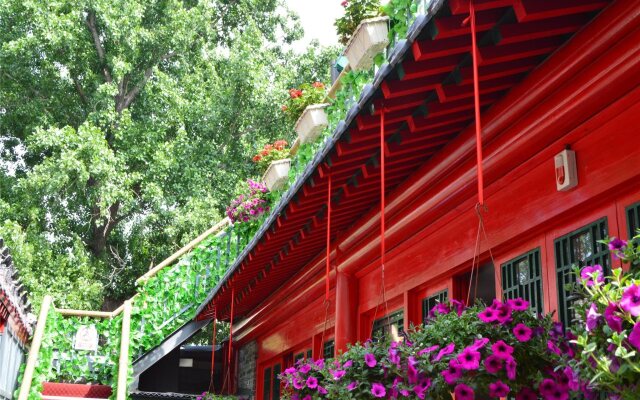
<point x="249" y="206"/>
<point x="494" y="351"/>
<point x="364" y="33"/>
<point x="274" y="160"/>
<point x="311" y="123"/>
<point x="300" y="98"/>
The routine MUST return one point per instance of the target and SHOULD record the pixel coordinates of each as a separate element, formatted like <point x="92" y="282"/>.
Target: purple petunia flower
<point x="352" y="385"/>
<point x="452" y="374"/>
<point x="593" y="317"/>
<point x="493" y="364"/>
<point x="312" y="382"/>
<point x="428" y="350"/>
<point x="614" y="321"/>
<point x="510" y="366"/>
<point x="448" y="349"/>
<point x="458" y="306"/>
<point x="488" y="315"/>
<point x="347" y="364"/>
<point x="503" y="313"/>
<point x="589" y="273"/>
<point x="469" y="359"/>
<point x="440" y="308"/>
<point x="464" y="392"/>
<point x="553" y="348"/>
<point x="522" y="332"/>
<point x="526" y="394"/>
<point x="547" y="387"/>
<point x="498" y="389"/>
<point x="518" y="304"/>
<point x="305" y="369"/>
<point x="617" y="244"/>
<point x="502" y="350"/>
<point x="634" y="336"/>
<point x="479" y="343"/>
<point x="378" y="390"/>
<point x="298" y="383"/>
<point x="630" y="301"/>
<point x="319" y="363"/>
<point x="322" y="390"/>
<point x="338" y="374"/>
<point x="370" y="360"/>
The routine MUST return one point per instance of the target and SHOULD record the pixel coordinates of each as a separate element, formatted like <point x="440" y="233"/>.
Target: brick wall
<point x="247" y="357"/>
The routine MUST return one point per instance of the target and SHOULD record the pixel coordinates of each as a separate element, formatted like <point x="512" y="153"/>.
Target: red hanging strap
<point x="476" y="99"/>
<point x="233" y="300"/>
<point x="383" y="242"/>
<point x="213" y="354"/>
<point x="328" y="262"/>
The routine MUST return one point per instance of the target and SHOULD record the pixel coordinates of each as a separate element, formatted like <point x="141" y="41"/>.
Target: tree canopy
<point x="126" y="125"/>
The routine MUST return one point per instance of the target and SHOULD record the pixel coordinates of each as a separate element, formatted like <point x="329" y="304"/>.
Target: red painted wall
<point x="432" y="236"/>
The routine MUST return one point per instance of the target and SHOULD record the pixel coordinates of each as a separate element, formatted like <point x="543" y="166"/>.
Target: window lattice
<point x="522" y="277"/>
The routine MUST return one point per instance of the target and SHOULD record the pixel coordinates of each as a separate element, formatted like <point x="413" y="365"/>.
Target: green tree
<point x="125" y="126"/>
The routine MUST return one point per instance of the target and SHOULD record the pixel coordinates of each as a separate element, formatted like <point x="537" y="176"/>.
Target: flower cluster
<point x="249" y="207"/>
<point x="271" y="152"/>
<point x="301" y="98"/>
<point x="610" y="343"/>
<point x="502" y="350"/>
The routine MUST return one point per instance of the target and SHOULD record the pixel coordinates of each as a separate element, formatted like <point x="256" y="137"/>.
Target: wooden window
<point x="522" y="277"/>
<point x="578" y="248"/>
<point x="431" y="301"/>
<point x="633" y="219"/>
<point x="298" y="357"/>
<point x="392" y="325"/>
<point x="275" y="393"/>
<point x="309" y="354"/>
<point x="328" y="349"/>
<point x="266" y="384"/>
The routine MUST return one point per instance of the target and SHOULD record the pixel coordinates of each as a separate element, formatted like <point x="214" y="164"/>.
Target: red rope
<point x="233" y="300"/>
<point x="383" y="242"/>
<point x="328" y="266"/>
<point x="476" y="98"/>
<point x="213" y="354"/>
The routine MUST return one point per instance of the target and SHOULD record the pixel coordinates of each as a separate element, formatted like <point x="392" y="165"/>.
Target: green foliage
<point x="354" y="12"/>
<point x="125" y="127"/>
<point x="270" y="153"/>
<point x="401" y="14"/>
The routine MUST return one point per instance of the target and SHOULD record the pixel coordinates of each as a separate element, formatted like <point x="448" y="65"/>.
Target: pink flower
<point x="378" y="390"/>
<point x="634" y="336"/>
<point x="518" y="304"/>
<point x="370" y="360"/>
<point x="452" y="374"/>
<point x="445" y="351"/>
<point x="440" y="308"/>
<point x="469" y="359"/>
<point x="502" y="350"/>
<point x="526" y="394"/>
<point x="488" y="315"/>
<point x="352" y="386"/>
<point x="588" y="274"/>
<point x="312" y="382"/>
<point x="498" y="389"/>
<point x="479" y="343"/>
<point x="510" y="366"/>
<point x="614" y="321"/>
<point x="617" y="244"/>
<point x="493" y="364"/>
<point x="458" y="306"/>
<point x="464" y="392"/>
<point x="322" y="390"/>
<point x="593" y="317"/>
<point x="522" y="332"/>
<point x="338" y="374"/>
<point x="344" y="3"/>
<point x="630" y="301"/>
<point x="553" y="348"/>
<point x="428" y="350"/>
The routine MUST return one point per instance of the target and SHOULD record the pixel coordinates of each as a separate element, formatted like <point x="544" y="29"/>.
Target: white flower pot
<point x="277" y="174"/>
<point x="369" y="39"/>
<point x="311" y="123"/>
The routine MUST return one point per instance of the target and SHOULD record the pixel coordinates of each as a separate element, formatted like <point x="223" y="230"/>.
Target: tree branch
<point x="131" y="95"/>
<point x="91" y="24"/>
<point x="80" y="91"/>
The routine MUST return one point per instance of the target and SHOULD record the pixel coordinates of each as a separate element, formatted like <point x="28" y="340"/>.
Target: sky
<point x="317" y="18"/>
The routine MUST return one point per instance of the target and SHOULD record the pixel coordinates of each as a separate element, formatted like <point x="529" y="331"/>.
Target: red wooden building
<point x="553" y="75"/>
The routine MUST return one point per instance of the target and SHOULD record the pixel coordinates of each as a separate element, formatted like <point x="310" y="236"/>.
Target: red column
<point x="346" y="310"/>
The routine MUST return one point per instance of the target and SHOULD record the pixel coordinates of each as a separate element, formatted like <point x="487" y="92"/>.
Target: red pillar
<point x="346" y="311"/>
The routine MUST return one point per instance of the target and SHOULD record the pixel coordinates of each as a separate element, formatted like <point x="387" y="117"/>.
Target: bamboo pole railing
<point x="32" y="359"/>
<point x="123" y="363"/>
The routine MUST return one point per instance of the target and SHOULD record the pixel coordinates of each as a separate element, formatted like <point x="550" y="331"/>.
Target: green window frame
<point x="275" y="392"/>
<point x="522" y="277"/>
<point x="633" y="219"/>
<point x="383" y="326"/>
<point x="328" y="349"/>
<point x="429" y="302"/>
<point x="578" y="248"/>
<point x="266" y="384"/>
<point x="309" y="354"/>
<point x="299" y="356"/>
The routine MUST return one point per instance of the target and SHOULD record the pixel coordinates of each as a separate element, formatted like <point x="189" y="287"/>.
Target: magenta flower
<point x="488" y="315"/>
<point x="570" y="378"/>
<point x="553" y="348"/>
<point x="510" y="366"/>
<point x="493" y="364"/>
<point x="298" y="383"/>
<point x="338" y="374"/>
<point x="522" y="332"/>
<point x="479" y="343"/>
<point x="547" y="387"/>
<point x="526" y="394"/>
<point x="352" y="385"/>
<point x="464" y="392"/>
<point x="498" y="389"/>
<point x="440" y="308"/>
<point x="502" y="350"/>
<point x="518" y="304"/>
<point x="452" y="374"/>
<point x="503" y="313"/>
<point x="322" y="390"/>
<point x="347" y="364"/>
<point x="378" y="390"/>
<point x="613" y="320"/>
<point x="312" y="382"/>
<point x="305" y="369"/>
<point x="630" y="301"/>
<point x="634" y="336"/>
<point x="589" y="273"/>
<point x="370" y="360"/>
<point x="617" y="244"/>
<point x="469" y="359"/>
<point x="319" y="363"/>
<point x="458" y="306"/>
<point x="290" y="371"/>
<point x="445" y="351"/>
<point x="428" y="350"/>
<point x="593" y="317"/>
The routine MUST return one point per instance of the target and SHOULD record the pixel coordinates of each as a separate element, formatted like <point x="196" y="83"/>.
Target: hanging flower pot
<point x="311" y="123"/>
<point x="277" y="174"/>
<point x="369" y="39"/>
